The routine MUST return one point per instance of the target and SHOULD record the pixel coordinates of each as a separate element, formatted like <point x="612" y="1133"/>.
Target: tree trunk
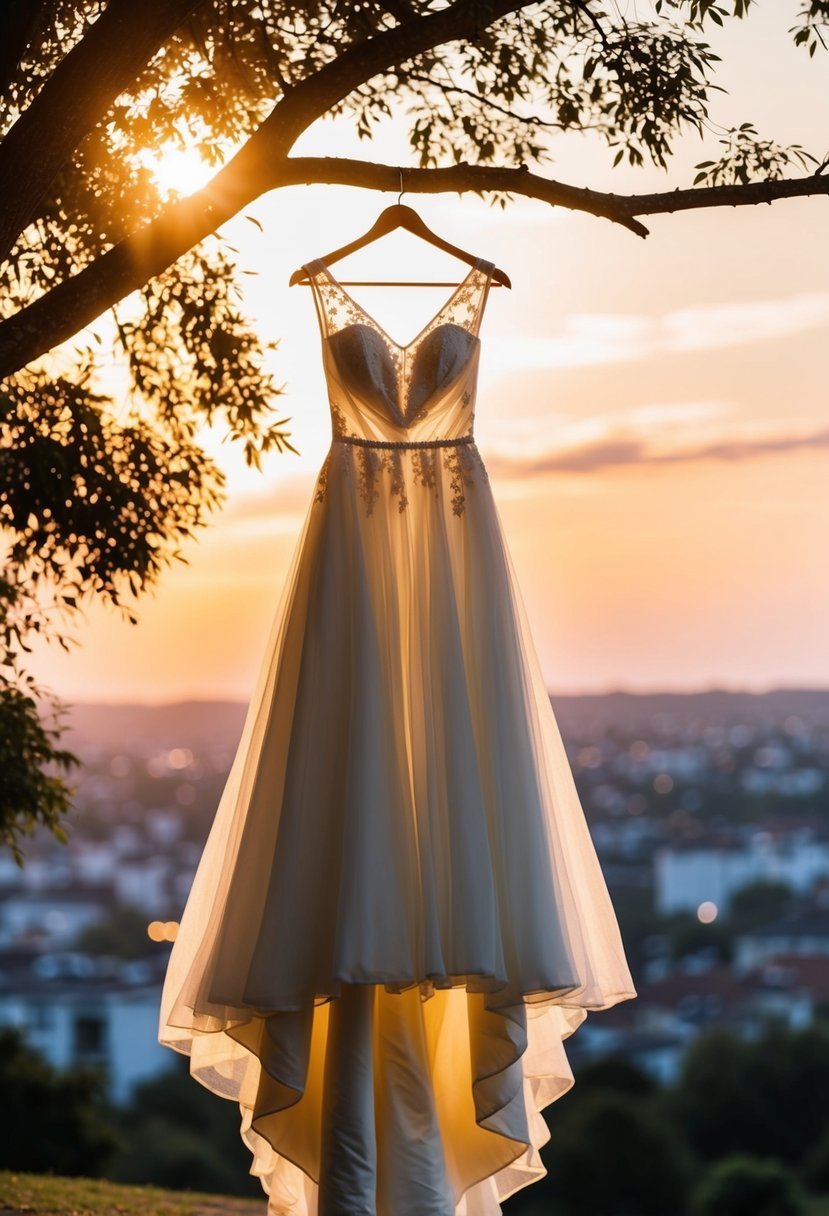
<point x="80" y="91"/>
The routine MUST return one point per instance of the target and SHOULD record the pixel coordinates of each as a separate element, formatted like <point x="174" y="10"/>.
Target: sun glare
<point x="178" y="170"/>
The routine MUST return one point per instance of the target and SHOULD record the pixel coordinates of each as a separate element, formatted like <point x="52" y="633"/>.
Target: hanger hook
<point x="400" y="195"/>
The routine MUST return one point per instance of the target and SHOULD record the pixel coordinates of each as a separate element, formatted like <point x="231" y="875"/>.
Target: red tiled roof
<point x="787" y="971"/>
<point x="717" y="981"/>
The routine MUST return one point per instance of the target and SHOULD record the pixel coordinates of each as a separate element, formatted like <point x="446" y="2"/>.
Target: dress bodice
<point x="380" y="391"/>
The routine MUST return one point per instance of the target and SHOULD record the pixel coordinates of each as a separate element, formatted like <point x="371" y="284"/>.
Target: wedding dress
<point x="399" y="915"/>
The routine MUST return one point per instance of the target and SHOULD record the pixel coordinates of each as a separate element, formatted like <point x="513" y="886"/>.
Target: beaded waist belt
<point x="403" y="443"/>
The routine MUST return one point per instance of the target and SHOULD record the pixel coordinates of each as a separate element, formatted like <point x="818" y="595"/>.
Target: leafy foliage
<point x="688" y="935"/>
<point x="761" y="1098"/>
<point x="92" y="508"/>
<point x="191" y="353"/>
<point x="645" y="1170"/>
<point x="816" y="1170"/>
<point x="93" y="505"/>
<point x="812" y="29"/>
<point x="635" y="84"/>
<point x="749" y="1186"/>
<point x="49" y="1120"/>
<point x="747" y="158"/>
<point x="177" y="1134"/>
<point x="32" y="789"/>
<point x="758" y="903"/>
<point x="122" y="934"/>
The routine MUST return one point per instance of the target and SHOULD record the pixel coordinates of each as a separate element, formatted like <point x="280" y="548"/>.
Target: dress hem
<point x="537" y="1097"/>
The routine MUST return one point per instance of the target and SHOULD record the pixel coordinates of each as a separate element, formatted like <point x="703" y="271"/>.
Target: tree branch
<point x="43" y="324"/>
<point x="263" y="164"/>
<point x="619" y="208"/>
<point x="455" y="179"/>
<point x="583" y="6"/>
<point x="77" y="94"/>
<point x="529" y="120"/>
<point x="737" y="195"/>
<point x="20" y="22"/>
<point x="77" y="301"/>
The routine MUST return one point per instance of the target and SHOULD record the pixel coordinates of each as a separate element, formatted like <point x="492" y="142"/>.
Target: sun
<point x="177" y="170"/>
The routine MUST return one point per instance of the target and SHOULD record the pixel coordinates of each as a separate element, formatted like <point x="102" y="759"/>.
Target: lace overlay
<point x="464" y="467"/>
<point x="463" y="308"/>
<point x="401" y="416"/>
<point x="403" y="466"/>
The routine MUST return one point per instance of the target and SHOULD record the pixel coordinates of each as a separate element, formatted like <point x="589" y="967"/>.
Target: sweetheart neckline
<point x="376" y="324"/>
<point x="402" y="408"/>
<point x="373" y="329"/>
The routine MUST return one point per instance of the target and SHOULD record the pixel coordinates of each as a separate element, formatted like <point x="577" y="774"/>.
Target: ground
<point x="46" y="1195"/>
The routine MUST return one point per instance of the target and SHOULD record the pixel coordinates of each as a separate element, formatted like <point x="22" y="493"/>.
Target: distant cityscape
<point x="709" y="811"/>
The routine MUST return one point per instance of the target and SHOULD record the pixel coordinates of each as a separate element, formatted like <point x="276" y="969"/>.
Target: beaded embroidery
<point x="463" y="464"/>
<point x="403" y="443"/>
<point x="461" y="460"/>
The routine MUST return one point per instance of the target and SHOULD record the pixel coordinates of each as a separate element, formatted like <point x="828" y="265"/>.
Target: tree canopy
<point x="97" y="494"/>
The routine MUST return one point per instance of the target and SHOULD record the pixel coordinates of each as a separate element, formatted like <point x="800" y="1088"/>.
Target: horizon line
<point x="616" y="690"/>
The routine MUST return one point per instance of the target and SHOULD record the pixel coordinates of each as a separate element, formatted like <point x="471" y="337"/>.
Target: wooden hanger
<point x="398" y="216"/>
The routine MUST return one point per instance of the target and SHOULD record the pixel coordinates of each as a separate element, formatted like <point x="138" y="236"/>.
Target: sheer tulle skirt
<point x="399" y="915"/>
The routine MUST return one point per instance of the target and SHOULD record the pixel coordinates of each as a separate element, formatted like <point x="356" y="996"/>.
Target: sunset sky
<point x="652" y="414"/>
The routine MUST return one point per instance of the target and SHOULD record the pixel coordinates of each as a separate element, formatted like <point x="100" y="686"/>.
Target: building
<point x="51" y="918"/>
<point x="78" y="1010"/>
<point x="802" y="933"/>
<point x="670" y="1013"/>
<point x="688" y="875"/>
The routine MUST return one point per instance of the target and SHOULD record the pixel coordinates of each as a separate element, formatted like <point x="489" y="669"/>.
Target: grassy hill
<point x="46" y="1195"/>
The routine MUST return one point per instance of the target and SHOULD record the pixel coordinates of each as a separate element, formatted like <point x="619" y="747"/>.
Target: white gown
<point x="399" y="914"/>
